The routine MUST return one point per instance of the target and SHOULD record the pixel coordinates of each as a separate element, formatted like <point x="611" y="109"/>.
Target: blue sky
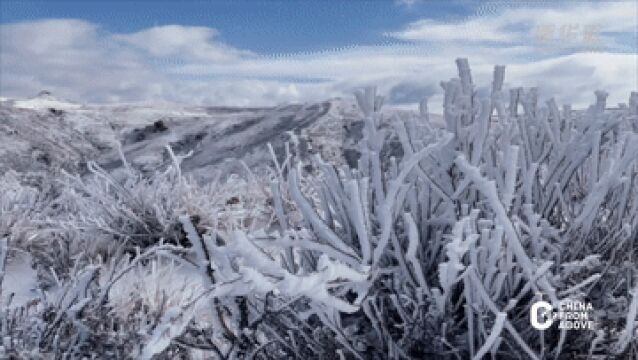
<point x="263" y="26"/>
<point x="270" y="52"/>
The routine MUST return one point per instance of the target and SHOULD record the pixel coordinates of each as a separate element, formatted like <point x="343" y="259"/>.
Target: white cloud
<point x="522" y="24"/>
<point x="470" y="30"/>
<point x="80" y="61"/>
<point x="191" y="42"/>
<point x="74" y="58"/>
<point x="406" y="3"/>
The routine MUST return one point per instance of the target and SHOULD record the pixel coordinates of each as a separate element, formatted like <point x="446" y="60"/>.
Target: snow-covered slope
<point x="41" y="141"/>
<point x="46" y="132"/>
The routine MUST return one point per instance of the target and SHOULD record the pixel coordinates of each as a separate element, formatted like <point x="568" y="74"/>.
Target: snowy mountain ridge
<point x="69" y="134"/>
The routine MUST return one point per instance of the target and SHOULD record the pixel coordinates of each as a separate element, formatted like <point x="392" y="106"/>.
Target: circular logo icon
<point x="540" y="315"/>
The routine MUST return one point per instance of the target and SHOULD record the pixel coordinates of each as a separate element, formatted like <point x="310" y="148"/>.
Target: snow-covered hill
<point x="45" y="131"/>
<point x="44" y="101"/>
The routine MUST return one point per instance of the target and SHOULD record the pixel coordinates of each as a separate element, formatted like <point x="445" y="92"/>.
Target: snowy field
<point x="336" y="229"/>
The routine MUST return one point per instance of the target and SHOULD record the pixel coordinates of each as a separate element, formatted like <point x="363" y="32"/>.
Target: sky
<point x="250" y="53"/>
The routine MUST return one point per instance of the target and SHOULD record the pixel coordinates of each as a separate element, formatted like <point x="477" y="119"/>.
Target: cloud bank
<point x="515" y="25"/>
<point x="79" y="60"/>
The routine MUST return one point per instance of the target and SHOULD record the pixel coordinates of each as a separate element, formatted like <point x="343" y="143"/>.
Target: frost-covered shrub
<point x="18" y="203"/>
<point x="129" y="211"/>
<point x="73" y="321"/>
<point x="135" y="211"/>
<point x="510" y="200"/>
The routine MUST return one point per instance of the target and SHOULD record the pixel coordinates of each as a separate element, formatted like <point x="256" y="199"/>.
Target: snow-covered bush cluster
<point x="437" y="251"/>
